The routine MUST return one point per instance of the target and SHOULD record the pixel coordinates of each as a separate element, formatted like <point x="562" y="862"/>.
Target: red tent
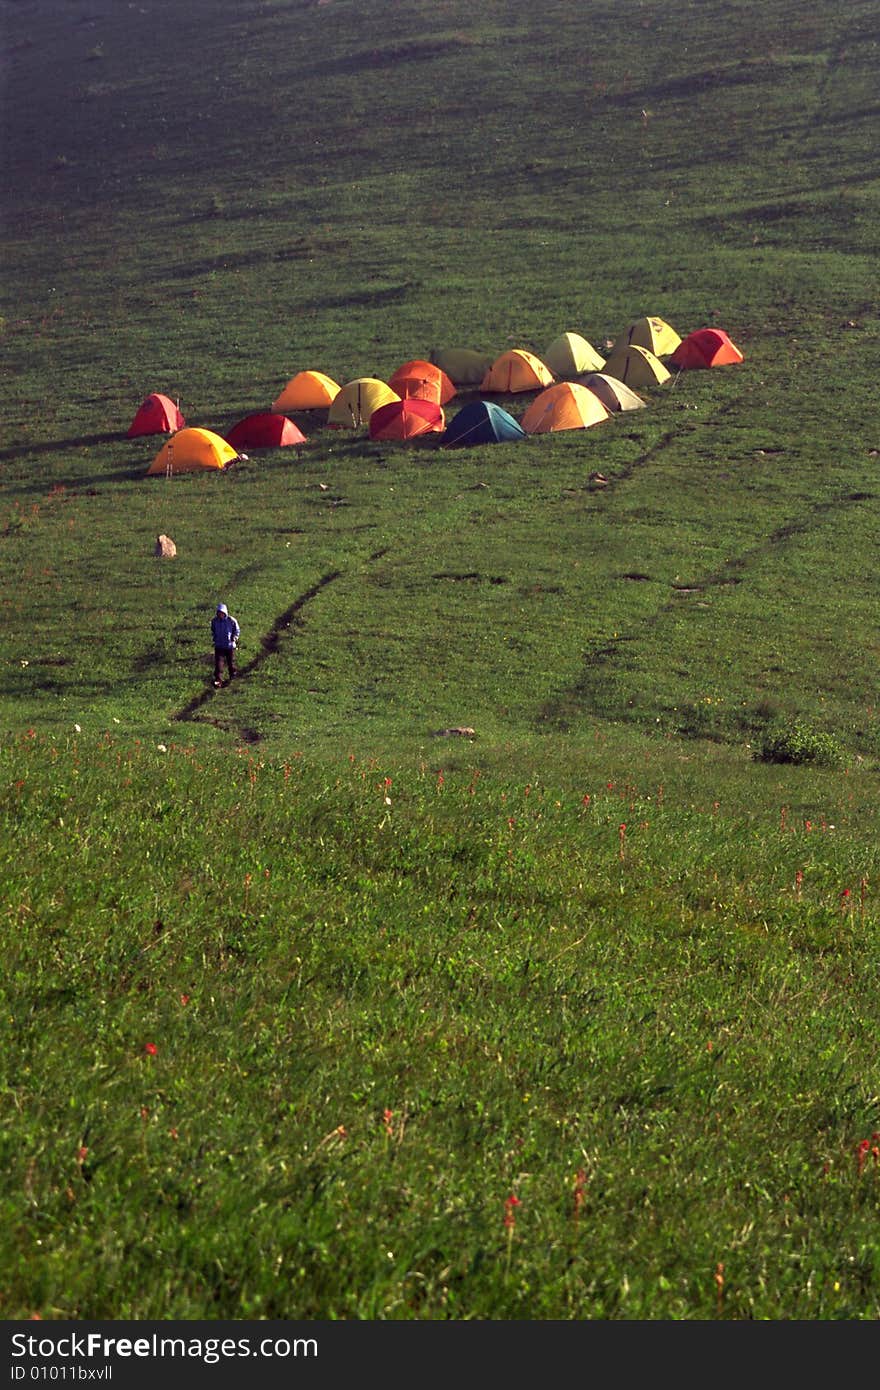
<point x="157" y="415"/>
<point x="705" y="347"/>
<point x="265" y="430"/>
<point x="407" y="418"/>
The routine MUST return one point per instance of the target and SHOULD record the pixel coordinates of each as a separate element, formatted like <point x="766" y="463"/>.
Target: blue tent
<point x="481" y="422"/>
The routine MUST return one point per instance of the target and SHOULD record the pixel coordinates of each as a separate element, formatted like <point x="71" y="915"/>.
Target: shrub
<point x="793" y="741"/>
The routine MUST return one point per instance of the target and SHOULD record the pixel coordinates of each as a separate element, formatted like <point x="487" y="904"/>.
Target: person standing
<point x="225" y="633"/>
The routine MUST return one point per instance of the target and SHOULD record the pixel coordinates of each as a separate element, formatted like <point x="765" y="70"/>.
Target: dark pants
<point x="221" y="655"/>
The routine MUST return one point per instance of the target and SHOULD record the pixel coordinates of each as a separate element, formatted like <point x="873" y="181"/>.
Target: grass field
<point x="533" y="854"/>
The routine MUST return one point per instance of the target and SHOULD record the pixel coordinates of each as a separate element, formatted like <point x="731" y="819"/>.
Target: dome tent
<point x="190" y="450"/>
<point x="264" y="430"/>
<point x="422" y="379"/>
<point x="157" y="414"/>
<point x="307" y="391"/>
<point x="481" y="422"/>
<point x="564" y="406"/>
<point x="406" y="419"/>
<point x="570" y="355"/>
<point x="516" y="370"/>
<point x="612" y="392"/>
<point x="637" y="366"/>
<point x="463" y="366"/>
<point x="650" y="332"/>
<point x="356" y="401"/>
<point x="706" y="347"/>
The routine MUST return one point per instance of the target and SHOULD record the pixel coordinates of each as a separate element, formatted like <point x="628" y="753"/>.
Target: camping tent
<point x="463" y="366"/>
<point x="637" y="366"/>
<point x="652" y="333"/>
<point x="516" y="370"/>
<point x="611" y="392"/>
<point x="158" y="414"/>
<point x="307" y="391"/>
<point x="190" y="449"/>
<point x="706" y="347"/>
<point x="481" y="422"/>
<point x="264" y="430"/>
<point x="406" y="418"/>
<point x="564" y="406"/>
<point x="356" y="400"/>
<point x="422" y="379"/>
<point x="569" y="355"/>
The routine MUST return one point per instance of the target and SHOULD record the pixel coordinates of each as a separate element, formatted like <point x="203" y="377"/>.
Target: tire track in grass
<point x="607" y="655"/>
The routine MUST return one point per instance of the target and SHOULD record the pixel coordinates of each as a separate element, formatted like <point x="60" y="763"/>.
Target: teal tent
<point x="481" y="422"/>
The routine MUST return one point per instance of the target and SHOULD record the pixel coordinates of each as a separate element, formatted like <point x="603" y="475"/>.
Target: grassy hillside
<point x="205" y="199"/>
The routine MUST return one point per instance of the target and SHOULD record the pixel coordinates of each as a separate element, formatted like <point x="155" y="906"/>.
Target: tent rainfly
<point x="406" y="419"/>
<point x="706" y="347"/>
<point x="356" y="400"/>
<point x="570" y="355"/>
<point x="650" y="332"/>
<point x="264" y="430"/>
<point x="422" y="379"/>
<point x="481" y="422"/>
<point x="463" y="366"/>
<point x="637" y="366"/>
<point x="564" y="406"/>
<point x="517" y="370"/>
<point x="190" y="450"/>
<point x="158" y="414"/>
<point x="307" y="391"/>
<point x="611" y="392"/>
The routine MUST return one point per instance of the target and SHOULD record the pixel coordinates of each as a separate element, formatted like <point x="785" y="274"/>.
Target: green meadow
<point x="503" y="942"/>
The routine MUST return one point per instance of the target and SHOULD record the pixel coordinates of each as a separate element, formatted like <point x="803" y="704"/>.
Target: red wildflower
<point x="510" y="1205"/>
<point x="151" y="1049"/>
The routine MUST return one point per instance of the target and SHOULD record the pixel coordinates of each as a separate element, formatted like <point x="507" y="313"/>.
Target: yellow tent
<point x="307" y="391"/>
<point x="652" y="333"/>
<point x="516" y="370"/>
<point x="191" y="449"/>
<point x="637" y="366"/>
<point x="564" y="406"/>
<point x="570" y="355"/>
<point x="356" y="400"/>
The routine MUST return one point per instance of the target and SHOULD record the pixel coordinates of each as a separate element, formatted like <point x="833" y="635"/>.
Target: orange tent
<point x="564" y="406"/>
<point x="422" y="379"/>
<point x="516" y="370"/>
<point x="307" y="391"/>
<point x="406" y="418"/>
<point x="706" y="347"/>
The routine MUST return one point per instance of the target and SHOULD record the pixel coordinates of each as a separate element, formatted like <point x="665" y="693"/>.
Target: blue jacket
<point x="224" y="631"/>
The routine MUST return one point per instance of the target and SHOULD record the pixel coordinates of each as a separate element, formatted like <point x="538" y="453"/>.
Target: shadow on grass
<point x="52" y="446"/>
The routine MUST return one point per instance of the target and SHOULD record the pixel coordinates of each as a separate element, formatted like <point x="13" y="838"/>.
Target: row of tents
<point x="574" y="387"/>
